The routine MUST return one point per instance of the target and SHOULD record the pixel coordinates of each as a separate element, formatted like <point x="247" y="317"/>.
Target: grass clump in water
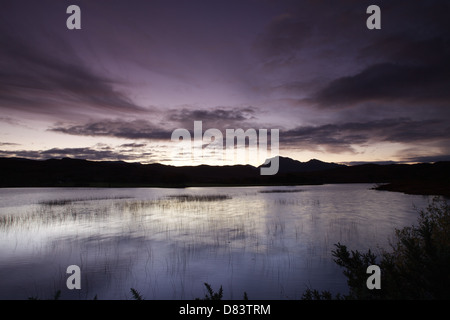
<point x="199" y="198"/>
<point x="64" y="202"/>
<point x="280" y="191"/>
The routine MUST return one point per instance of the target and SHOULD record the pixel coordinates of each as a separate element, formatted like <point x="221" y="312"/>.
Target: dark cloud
<point x="336" y="138"/>
<point x="356" y="163"/>
<point x="422" y="159"/>
<point x="389" y="82"/>
<point x="282" y="37"/>
<point x="219" y="117"/>
<point x="407" y="62"/>
<point x="52" y="79"/>
<point x="10" y="120"/>
<point x="83" y="153"/>
<point x="78" y="153"/>
<point x="30" y="154"/>
<point x="336" y="62"/>
<point x="8" y="144"/>
<point x="136" y="129"/>
<point x="342" y="137"/>
<point x="132" y="145"/>
<point x="406" y="49"/>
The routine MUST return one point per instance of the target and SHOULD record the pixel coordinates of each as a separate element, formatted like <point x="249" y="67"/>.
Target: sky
<point x="117" y="88"/>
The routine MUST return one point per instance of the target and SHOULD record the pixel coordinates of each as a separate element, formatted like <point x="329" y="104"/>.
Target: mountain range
<point x="288" y="165"/>
<point x="422" y="178"/>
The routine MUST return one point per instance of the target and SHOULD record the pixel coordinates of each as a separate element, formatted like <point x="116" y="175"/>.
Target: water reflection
<point x="270" y="242"/>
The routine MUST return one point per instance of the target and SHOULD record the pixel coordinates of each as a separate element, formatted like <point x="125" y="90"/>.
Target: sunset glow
<point x="117" y="88"/>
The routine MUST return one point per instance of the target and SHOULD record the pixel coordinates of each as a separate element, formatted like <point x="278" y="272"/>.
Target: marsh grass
<point x="281" y="191"/>
<point x="51" y="215"/>
<point x="199" y="198"/>
<point x="64" y="202"/>
<point x="68" y="210"/>
<point x="60" y="211"/>
<point x="136" y="295"/>
<point x="173" y="203"/>
<point x="56" y="296"/>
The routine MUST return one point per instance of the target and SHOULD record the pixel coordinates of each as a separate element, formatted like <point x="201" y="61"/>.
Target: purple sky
<point x="137" y="70"/>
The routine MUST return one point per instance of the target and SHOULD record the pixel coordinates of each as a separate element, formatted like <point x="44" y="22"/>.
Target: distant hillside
<point x="287" y="165"/>
<point x="416" y="179"/>
<point x="18" y="172"/>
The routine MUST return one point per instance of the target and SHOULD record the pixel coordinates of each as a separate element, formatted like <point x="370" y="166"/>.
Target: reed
<point x="199" y="198"/>
<point x="136" y="295"/>
<point x="281" y="191"/>
<point x="63" y="202"/>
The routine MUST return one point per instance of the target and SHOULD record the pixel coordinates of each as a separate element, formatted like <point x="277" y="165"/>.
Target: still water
<point x="270" y="242"/>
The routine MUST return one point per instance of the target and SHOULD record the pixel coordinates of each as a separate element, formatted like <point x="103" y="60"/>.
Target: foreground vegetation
<point x="417" y="267"/>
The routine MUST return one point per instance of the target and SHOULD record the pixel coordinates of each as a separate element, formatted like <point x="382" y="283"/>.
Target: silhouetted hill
<point x="288" y="165"/>
<point x="75" y="172"/>
<point x="417" y="179"/>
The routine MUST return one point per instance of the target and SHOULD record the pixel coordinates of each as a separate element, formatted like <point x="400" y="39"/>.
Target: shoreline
<point x="413" y="188"/>
<point x="417" y="188"/>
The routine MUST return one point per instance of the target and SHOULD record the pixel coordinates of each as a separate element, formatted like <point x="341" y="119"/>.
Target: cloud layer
<point x="310" y="68"/>
<point x="341" y="137"/>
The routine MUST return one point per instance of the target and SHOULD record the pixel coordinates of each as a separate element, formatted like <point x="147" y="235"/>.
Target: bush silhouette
<point x="418" y="267"/>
